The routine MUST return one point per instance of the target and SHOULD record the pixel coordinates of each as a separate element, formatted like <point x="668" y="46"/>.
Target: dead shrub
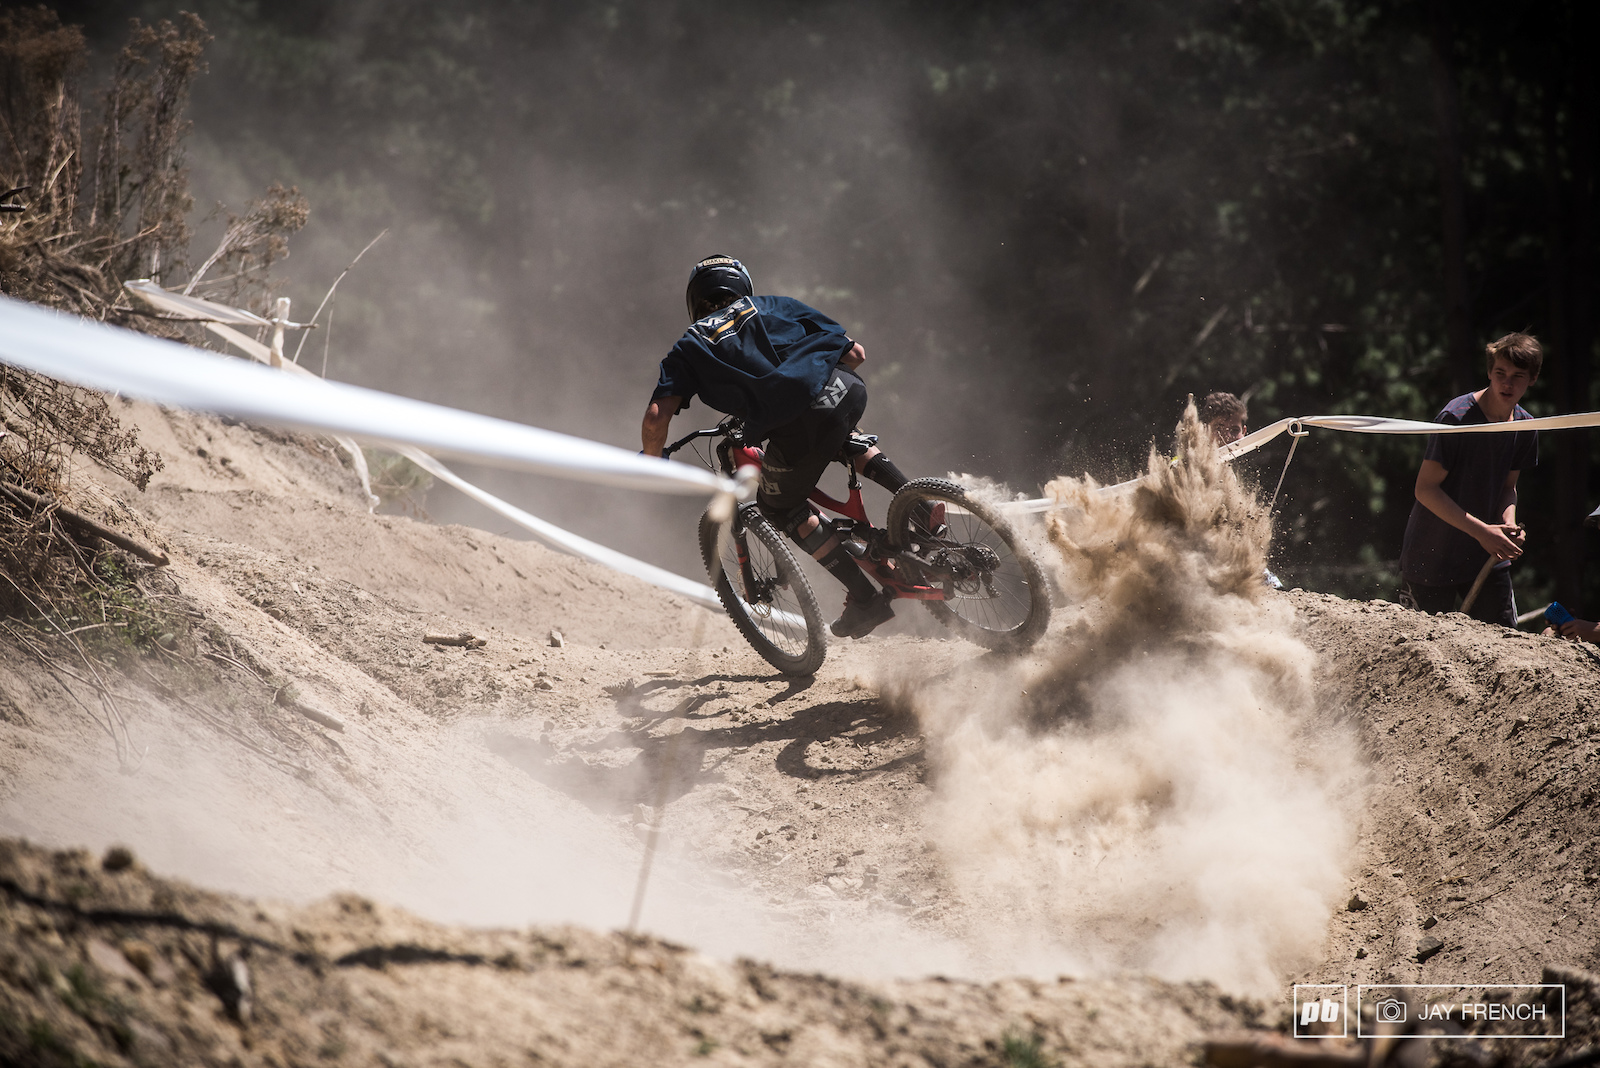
<point x="250" y="245"/>
<point x="71" y="232"/>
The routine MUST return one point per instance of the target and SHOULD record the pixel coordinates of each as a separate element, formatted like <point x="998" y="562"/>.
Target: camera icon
<point x="1390" y="1010"/>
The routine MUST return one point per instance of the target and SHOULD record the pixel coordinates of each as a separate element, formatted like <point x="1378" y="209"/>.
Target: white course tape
<point x="120" y="361"/>
<point x="1377" y="424"/>
<point x="1355" y="424"/>
<point x="212" y="316"/>
<point x="196" y="309"/>
<point x="568" y="542"/>
<point x="565" y="540"/>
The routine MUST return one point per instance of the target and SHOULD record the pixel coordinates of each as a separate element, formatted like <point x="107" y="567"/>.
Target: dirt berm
<point x="344" y="846"/>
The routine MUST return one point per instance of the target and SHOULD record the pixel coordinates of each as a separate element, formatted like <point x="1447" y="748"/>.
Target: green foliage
<point x="398" y="481"/>
<point x="1018" y="1050"/>
<point x="133" y="620"/>
<point x="35" y="1044"/>
<point x="43" y="1039"/>
<point x="83" y="994"/>
<point x="89" y="1000"/>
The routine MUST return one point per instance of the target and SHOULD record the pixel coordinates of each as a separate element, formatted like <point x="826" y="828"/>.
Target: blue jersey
<point x="763" y="359"/>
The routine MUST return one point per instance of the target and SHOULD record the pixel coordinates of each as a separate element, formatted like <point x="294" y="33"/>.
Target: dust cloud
<point x="443" y="825"/>
<point x="1150" y="792"/>
<point x="1154" y="792"/>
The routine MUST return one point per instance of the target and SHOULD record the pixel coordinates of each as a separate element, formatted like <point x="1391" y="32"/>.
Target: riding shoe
<point x="861" y="618"/>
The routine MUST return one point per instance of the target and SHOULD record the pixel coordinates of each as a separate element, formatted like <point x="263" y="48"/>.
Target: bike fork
<point x="746" y="576"/>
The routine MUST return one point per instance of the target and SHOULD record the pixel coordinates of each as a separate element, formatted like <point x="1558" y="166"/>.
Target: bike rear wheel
<point x="995" y="592"/>
<point x="772" y="605"/>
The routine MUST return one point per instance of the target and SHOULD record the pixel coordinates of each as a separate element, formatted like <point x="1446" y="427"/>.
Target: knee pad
<point x="858" y="443"/>
<point x="819" y="534"/>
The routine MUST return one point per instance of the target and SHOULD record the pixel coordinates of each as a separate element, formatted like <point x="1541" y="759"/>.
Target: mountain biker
<point x="789" y="373"/>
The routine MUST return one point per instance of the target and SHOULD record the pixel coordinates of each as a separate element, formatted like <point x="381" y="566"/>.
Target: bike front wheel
<point x="766" y="594"/>
<point x="995" y="591"/>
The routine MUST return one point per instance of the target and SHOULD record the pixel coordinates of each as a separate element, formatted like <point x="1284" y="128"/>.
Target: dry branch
<point x="1520" y="805"/>
<point x="288" y="698"/>
<point x="82" y="525"/>
<point x="464" y="640"/>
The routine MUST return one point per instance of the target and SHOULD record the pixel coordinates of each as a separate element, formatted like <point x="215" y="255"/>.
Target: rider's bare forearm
<point x="657" y="418"/>
<point x="854" y="358"/>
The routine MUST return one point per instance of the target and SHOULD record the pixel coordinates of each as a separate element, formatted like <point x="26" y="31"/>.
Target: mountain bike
<point x="938" y="545"/>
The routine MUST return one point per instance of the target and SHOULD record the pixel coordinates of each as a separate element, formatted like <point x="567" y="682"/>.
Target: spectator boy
<point x="1226" y="417"/>
<point x="1466" y="493"/>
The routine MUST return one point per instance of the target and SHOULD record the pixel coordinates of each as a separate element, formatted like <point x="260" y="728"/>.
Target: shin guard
<point x="882" y="470"/>
<point x="842" y="566"/>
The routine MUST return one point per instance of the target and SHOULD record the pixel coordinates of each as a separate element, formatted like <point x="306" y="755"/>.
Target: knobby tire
<point x="1015" y="615"/>
<point x="796" y="647"/>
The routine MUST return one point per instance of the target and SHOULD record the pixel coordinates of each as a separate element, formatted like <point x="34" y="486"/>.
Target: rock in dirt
<point x="149" y="961"/>
<point x="557" y="641"/>
<point x="1428" y="947"/>
<point x="111" y="961"/>
<point x="1356" y="903"/>
<point x="229" y="979"/>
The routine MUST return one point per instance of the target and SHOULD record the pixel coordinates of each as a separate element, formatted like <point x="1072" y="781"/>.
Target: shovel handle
<point x="1477" y="585"/>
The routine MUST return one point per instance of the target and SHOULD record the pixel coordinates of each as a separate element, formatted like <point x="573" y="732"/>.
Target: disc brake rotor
<point x="985" y="559"/>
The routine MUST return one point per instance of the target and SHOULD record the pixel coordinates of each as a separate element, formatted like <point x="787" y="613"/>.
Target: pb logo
<point x="1320" y="1010"/>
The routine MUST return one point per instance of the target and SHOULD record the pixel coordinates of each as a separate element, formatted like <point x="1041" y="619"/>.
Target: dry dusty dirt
<point x="1194" y="794"/>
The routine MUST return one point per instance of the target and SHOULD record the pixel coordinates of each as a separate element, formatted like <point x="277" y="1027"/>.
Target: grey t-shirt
<point x="1436" y="553"/>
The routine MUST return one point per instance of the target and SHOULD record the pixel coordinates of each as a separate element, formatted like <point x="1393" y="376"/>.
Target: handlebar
<point x="727" y="426"/>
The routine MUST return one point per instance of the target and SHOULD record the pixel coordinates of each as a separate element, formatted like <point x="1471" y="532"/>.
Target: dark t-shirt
<point x="762" y="359"/>
<point x="1476" y="465"/>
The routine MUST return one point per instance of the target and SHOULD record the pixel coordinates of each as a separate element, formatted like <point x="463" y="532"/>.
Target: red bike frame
<point x="854" y="508"/>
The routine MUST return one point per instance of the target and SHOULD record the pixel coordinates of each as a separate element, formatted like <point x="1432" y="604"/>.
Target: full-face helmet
<point x="716" y="282"/>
